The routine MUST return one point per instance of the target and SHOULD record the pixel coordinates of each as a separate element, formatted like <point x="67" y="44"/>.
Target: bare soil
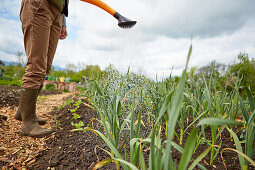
<point x="9" y="95"/>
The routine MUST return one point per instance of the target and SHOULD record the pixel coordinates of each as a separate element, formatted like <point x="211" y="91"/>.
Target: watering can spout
<point x="123" y="22"/>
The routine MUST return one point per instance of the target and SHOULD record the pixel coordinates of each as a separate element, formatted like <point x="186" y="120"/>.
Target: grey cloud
<point x="10" y="47"/>
<point x="10" y="36"/>
<point x="201" y="18"/>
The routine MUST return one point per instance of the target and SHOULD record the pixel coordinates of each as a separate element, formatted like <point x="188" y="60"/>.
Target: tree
<point x="1" y="68"/>
<point x="244" y="69"/>
<point x="214" y="69"/>
<point x="71" y="67"/>
<point x="91" y="71"/>
<point x="20" y="69"/>
<point x="2" y="63"/>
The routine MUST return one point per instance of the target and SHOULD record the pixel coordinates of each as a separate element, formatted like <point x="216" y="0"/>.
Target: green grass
<point x="10" y="81"/>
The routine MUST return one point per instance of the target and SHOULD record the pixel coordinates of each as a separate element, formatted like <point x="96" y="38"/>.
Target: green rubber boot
<point x="30" y="126"/>
<point x="41" y="121"/>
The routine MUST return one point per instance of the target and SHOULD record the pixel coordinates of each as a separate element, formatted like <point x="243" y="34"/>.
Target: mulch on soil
<point x="17" y="151"/>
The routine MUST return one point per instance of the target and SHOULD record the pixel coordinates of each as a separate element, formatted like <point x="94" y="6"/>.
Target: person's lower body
<point x="41" y="26"/>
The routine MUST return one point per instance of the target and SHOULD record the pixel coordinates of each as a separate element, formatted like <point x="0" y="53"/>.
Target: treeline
<point x="75" y="75"/>
<point x="13" y="73"/>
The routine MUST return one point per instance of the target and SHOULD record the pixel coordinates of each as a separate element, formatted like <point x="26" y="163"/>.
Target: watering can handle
<point x="101" y="5"/>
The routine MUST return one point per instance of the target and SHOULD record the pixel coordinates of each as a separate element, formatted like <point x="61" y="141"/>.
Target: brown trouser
<point x="41" y="26"/>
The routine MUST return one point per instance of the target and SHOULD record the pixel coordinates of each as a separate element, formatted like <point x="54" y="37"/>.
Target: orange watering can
<point x="123" y="21"/>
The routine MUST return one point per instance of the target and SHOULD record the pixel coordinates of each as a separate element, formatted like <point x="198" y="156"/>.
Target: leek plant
<point x="117" y="116"/>
<point x="160" y="158"/>
<point x="109" y="110"/>
<point x="208" y="101"/>
<point x="249" y="116"/>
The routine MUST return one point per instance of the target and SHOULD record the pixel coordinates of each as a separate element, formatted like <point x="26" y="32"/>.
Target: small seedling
<point x="56" y="121"/>
<point x="79" y="125"/>
<point x="68" y="102"/>
<point x="76" y="116"/>
<point x="60" y="107"/>
<point x="75" y="109"/>
<point x="77" y="103"/>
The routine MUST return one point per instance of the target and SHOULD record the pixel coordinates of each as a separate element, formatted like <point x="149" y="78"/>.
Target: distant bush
<point x="10" y="81"/>
<point x="50" y="87"/>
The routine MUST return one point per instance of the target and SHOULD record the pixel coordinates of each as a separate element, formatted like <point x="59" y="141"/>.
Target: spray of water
<point x="127" y="70"/>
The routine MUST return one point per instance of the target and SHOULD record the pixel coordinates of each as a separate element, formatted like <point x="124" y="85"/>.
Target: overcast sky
<point x="160" y="40"/>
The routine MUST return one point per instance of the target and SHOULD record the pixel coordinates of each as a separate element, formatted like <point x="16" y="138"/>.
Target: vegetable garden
<point x="128" y="121"/>
<point x="126" y="103"/>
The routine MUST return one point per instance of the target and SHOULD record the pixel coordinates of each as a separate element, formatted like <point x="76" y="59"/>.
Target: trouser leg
<point x="53" y="42"/>
<point x="41" y="25"/>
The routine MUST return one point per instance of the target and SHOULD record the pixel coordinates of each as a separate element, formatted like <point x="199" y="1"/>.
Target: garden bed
<point x="76" y="150"/>
<point x="81" y="150"/>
